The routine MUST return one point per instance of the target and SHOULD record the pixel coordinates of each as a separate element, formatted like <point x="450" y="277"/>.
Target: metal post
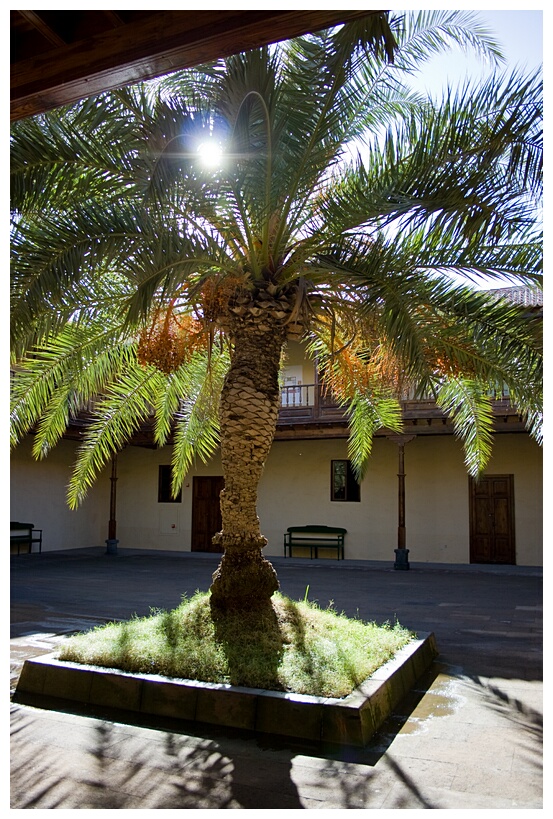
<point x="402" y="553"/>
<point x="316" y="391"/>
<point x="111" y="542"/>
<point x="401" y="497"/>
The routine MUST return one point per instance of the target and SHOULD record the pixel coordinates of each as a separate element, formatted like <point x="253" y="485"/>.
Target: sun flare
<point x="210" y="153"/>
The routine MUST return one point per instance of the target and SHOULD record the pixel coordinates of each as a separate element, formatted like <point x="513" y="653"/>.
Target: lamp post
<point x="402" y="553"/>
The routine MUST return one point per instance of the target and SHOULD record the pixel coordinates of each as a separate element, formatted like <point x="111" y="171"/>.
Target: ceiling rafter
<point x="45" y="30"/>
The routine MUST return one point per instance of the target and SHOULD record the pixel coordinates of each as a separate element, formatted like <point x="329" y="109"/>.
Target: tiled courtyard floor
<point x="470" y="736"/>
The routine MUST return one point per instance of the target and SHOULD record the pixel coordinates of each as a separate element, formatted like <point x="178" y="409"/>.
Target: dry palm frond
<point x="217" y="293"/>
<point x="170" y="341"/>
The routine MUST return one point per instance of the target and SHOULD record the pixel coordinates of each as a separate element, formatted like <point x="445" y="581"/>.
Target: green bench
<point x="315" y="538"/>
<point x="24" y="534"/>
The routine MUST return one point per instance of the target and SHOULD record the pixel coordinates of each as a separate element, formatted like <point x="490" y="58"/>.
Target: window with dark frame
<point x="164" y="486"/>
<point x="343" y="483"/>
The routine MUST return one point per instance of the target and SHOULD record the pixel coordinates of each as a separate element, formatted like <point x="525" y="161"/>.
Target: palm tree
<point x="157" y="286"/>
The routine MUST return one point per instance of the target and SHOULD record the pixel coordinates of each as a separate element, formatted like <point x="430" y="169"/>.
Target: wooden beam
<point x="165" y="42"/>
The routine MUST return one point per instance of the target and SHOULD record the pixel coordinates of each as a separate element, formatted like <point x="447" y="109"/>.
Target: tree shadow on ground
<point x="149" y="765"/>
<point x="527" y="720"/>
<point x="116" y="766"/>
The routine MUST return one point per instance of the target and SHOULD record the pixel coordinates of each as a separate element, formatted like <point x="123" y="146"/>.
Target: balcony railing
<point x="308" y="403"/>
<point x="311" y="403"/>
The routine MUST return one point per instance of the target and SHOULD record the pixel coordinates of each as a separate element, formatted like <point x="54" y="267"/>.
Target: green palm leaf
<point x="196" y="427"/>
<point x="469" y="403"/>
<point x="118" y="414"/>
<point x="368" y="414"/>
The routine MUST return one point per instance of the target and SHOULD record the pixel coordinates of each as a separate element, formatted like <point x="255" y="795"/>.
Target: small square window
<point x="344" y="485"/>
<point x="164" y="487"/>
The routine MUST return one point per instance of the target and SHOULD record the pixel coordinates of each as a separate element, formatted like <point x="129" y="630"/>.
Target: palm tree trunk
<point x="248" y="416"/>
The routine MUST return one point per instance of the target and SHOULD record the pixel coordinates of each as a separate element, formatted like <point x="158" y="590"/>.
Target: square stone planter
<point x="351" y="720"/>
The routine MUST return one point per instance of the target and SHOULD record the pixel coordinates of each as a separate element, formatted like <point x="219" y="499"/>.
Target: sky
<point x="520" y="37"/>
<point x="519" y="34"/>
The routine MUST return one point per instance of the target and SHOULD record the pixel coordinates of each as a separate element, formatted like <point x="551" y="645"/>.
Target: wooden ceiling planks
<point x="60" y="57"/>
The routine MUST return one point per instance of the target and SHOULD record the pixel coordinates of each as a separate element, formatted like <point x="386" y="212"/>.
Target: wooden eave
<point x="59" y="57"/>
<point x="426" y="419"/>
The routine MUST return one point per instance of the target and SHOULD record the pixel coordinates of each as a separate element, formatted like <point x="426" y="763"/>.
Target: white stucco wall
<point x="295" y="490"/>
<point x="38" y="496"/>
<point x="298" y="473"/>
<point x="436" y="497"/>
<point x="142" y="522"/>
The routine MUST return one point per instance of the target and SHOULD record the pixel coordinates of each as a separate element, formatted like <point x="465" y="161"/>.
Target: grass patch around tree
<point x="292" y="646"/>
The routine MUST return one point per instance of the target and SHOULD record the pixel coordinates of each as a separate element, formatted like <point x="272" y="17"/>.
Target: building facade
<point x="448" y="518"/>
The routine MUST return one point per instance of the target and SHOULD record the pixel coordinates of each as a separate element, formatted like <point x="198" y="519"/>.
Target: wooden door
<point x="206" y="512"/>
<point x="492" y="520"/>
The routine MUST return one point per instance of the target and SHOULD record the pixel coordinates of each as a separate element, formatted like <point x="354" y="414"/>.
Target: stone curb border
<point x="349" y="721"/>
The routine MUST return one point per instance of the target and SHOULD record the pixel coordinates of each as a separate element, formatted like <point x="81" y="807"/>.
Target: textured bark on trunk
<point x="248" y="417"/>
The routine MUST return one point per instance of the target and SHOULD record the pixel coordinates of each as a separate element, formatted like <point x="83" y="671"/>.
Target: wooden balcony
<point x="307" y="410"/>
<point x="308" y="403"/>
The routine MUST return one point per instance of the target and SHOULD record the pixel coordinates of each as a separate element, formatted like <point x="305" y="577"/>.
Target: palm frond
<point x="468" y="402"/>
<point x="530" y="404"/>
<point x="52" y="158"/>
<point x="368" y="414"/>
<point x="199" y="377"/>
<point x="197" y="423"/>
<point x="422" y="34"/>
<point x="466" y="167"/>
<point x="56" y="380"/>
<point x="123" y="406"/>
<point x="53" y="257"/>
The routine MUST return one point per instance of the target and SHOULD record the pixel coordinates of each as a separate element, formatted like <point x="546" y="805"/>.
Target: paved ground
<point x="470" y="736"/>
